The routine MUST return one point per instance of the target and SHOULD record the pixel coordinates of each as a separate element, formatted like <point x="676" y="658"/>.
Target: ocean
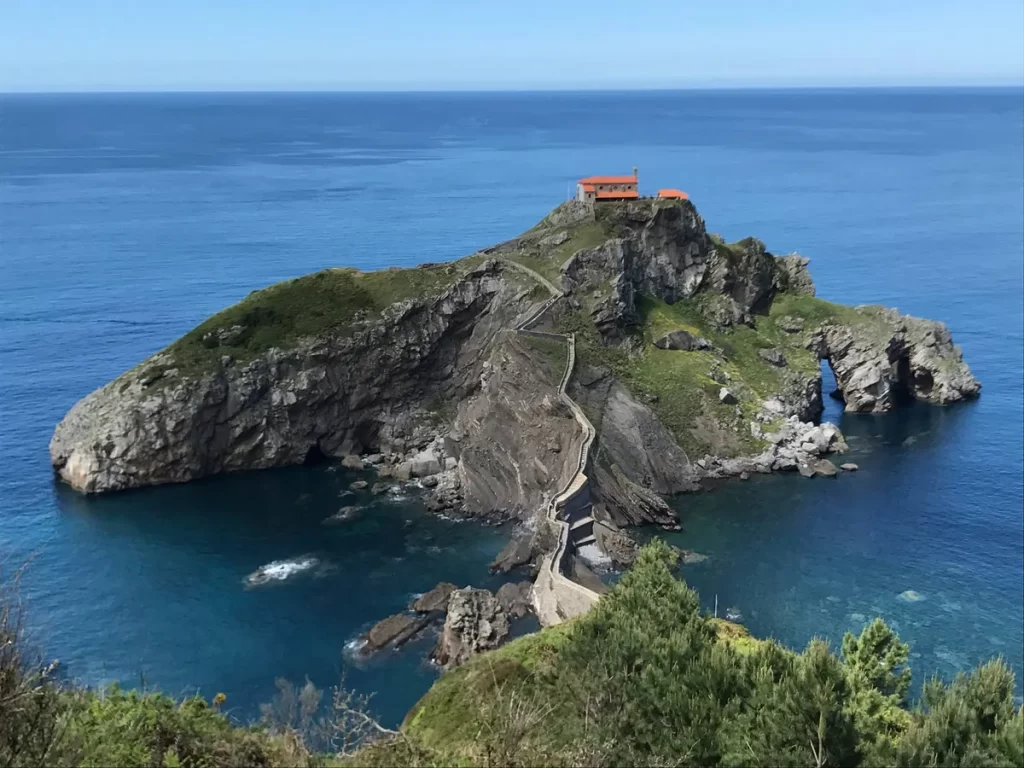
<point x="126" y="219"/>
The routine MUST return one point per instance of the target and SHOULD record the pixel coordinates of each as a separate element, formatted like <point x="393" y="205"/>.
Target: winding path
<point x="556" y="597"/>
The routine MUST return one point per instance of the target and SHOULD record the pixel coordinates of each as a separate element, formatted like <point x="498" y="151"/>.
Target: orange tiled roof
<point x="672" y="194"/>
<point x="606" y="194"/>
<point x="587" y="187"/>
<point x="609" y="180"/>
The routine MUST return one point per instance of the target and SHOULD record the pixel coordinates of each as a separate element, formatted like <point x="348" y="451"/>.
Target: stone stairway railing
<point x="557" y="597"/>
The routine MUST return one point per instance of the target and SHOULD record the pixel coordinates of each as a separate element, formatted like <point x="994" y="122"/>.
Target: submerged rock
<point x="476" y="622"/>
<point x="849" y="467"/>
<point x="343" y="515"/>
<point x="910" y="596"/>
<point x="358" y="485"/>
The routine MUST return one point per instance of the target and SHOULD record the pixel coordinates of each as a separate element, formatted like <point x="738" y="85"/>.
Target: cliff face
<point x="695" y="358"/>
<point x="369" y="388"/>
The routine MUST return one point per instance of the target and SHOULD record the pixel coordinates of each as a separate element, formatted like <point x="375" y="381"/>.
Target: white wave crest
<point x="279" y="570"/>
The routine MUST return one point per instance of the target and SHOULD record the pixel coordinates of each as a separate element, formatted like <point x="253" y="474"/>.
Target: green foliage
<point x="879" y="680"/>
<point x="119" y="728"/>
<point x="970" y="722"/>
<point x="645" y="679"/>
<point x="324" y="303"/>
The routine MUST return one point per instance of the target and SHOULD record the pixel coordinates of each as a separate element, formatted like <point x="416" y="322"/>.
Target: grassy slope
<point x="325" y="302"/>
<point x="679" y="385"/>
<point x="446" y="720"/>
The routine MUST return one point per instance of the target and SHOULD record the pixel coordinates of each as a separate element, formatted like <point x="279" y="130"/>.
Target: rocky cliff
<point x="695" y="359"/>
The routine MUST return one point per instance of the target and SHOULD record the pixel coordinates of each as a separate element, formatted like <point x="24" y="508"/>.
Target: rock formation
<point x="476" y="622"/>
<point x="893" y="358"/>
<point x="695" y="359"/>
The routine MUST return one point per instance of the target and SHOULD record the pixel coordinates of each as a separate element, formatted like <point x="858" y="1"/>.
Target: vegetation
<point x="547" y="259"/>
<point x="326" y="302"/>
<point x="646" y="679"/>
<point x="643" y="679"/>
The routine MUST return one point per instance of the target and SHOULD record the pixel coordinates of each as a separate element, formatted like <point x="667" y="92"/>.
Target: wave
<point x="280" y="570"/>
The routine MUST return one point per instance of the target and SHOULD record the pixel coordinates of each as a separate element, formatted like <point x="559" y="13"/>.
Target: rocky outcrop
<point x="362" y="391"/>
<point x="793" y="445"/>
<point x="793" y="276"/>
<point x="475" y="622"/>
<point x="743" y="277"/>
<point x="435" y="600"/>
<point x="890" y="358"/>
<point x="393" y="631"/>
<point x="682" y="340"/>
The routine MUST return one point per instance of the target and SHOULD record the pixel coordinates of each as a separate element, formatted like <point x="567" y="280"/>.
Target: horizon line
<point x="475" y="90"/>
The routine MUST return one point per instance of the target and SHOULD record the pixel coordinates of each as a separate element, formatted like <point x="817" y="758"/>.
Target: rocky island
<point x="620" y="343"/>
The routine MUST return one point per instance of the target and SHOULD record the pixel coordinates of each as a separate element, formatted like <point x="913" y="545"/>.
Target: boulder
<point x="849" y="467"/>
<point x="359" y="485"/>
<point x="429" y="482"/>
<point x="424" y="467"/>
<point x="790" y="324"/>
<point x="772" y="356"/>
<point x="475" y="622"/>
<point x="434" y="601"/>
<point x="682" y="340"/>
<point x="520" y="550"/>
<point x="726" y="396"/>
<point x="515" y="598"/>
<point x="379" y="488"/>
<point x="817" y="468"/>
<point x="351" y="461"/>
<point x="394" y="630"/>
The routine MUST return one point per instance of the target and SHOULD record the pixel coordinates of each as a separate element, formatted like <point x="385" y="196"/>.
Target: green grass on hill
<point x="548" y="259"/>
<point x="325" y="302"/>
<point x="679" y="385"/>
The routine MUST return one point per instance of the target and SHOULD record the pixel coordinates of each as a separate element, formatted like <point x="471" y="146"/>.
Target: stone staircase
<point x="556" y="596"/>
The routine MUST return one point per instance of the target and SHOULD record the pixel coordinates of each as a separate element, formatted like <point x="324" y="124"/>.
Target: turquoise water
<point x="125" y="220"/>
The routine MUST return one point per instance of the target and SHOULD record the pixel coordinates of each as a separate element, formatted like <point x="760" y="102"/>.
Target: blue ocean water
<point x="127" y="219"/>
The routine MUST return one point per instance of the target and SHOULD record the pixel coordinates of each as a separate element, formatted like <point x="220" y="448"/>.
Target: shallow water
<point x="126" y="219"/>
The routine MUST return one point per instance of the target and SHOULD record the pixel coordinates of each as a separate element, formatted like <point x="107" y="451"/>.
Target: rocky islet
<point x="696" y="360"/>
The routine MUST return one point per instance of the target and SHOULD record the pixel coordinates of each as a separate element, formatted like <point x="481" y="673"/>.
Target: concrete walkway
<point x="556" y="597"/>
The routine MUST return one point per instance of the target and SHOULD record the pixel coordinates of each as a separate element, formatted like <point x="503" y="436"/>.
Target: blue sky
<point x="461" y="44"/>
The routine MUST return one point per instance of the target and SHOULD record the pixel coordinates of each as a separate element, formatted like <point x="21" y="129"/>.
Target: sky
<point x="99" y="45"/>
